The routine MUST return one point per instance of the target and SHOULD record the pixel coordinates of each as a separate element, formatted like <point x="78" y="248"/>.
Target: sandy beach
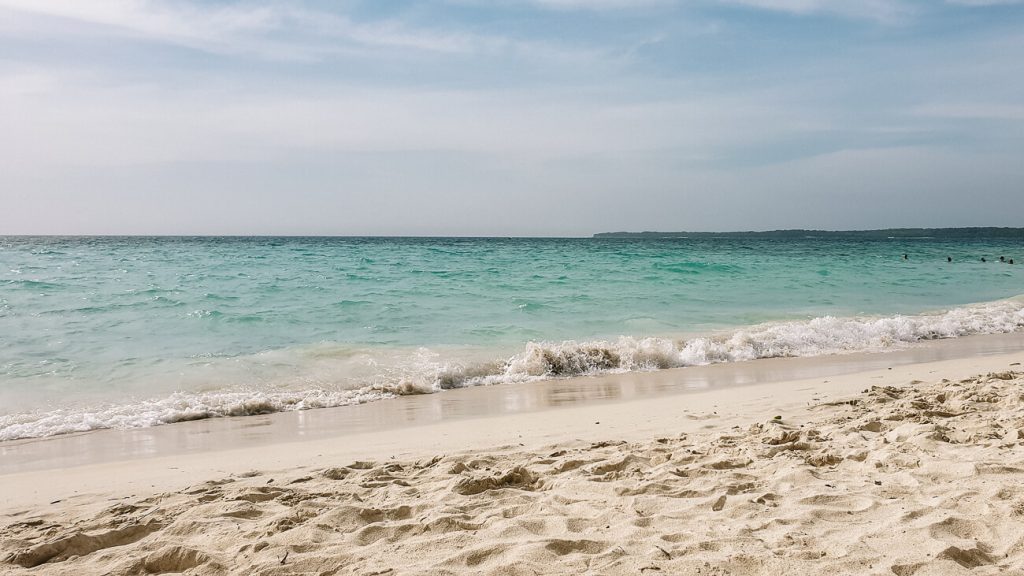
<point x="511" y="288"/>
<point x="911" y="468"/>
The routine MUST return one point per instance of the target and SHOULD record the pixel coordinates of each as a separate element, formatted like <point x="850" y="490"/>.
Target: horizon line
<point x="504" y="236"/>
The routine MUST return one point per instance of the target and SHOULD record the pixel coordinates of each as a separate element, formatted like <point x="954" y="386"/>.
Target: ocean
<point x="122" y="332"/>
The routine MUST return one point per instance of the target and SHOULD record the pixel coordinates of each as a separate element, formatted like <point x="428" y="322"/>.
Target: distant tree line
<point x="980" y="233"/>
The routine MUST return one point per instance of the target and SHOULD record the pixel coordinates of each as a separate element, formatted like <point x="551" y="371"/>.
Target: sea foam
<point x="427" y="371"/>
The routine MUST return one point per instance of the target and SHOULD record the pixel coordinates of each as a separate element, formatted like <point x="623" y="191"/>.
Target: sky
<point x="508" y="117"/>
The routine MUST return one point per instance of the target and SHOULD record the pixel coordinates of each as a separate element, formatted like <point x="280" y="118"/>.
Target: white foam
<point x="428" y="371"/>
<point x="814" y="337"/>
<point x="178" y="407"/>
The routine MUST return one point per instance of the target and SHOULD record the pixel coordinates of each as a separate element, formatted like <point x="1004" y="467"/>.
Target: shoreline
<point x="631" y="405"/>
<point x="232" y="432"/>
<point x="342" y="375"/>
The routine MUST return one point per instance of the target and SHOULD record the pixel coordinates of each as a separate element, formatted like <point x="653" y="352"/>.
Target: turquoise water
<point x="116" y="332"/>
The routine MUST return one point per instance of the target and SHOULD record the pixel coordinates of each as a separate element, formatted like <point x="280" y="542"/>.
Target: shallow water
<point x="126" y="332"/>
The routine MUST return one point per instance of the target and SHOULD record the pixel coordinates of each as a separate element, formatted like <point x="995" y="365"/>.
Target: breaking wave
<point x="428" y="372"/>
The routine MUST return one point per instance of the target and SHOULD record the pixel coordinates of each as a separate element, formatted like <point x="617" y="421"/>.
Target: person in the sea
<point x="949" y="258"/>
<point x="983" y="259"/>
<point x="1011" y="260"/>
<point x="1002" y="258"/>
<point x="904" y="256"/>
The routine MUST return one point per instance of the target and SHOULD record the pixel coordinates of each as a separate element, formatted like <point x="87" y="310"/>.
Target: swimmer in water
<point x="1002" y="258"/>
<point x="983" y="259"/>
<point x="949" y="258"/>
<point x="904" y="256"/>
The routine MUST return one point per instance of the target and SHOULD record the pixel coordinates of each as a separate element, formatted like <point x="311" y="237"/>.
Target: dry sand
<point x="915" y="470"/>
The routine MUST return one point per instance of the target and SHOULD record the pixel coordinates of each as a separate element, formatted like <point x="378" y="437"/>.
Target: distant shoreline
<point x="798" y="233"/>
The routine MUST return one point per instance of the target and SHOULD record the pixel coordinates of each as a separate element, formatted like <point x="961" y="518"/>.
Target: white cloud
<point x="972" y="111"/>
<point x="598" y="4"/>
<point x="880" y="10"/>
<point x="179" y="23"/>
<point x="981" y="3"/>
<point x="268" y="30"/>
<point x="53" y="119"/>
